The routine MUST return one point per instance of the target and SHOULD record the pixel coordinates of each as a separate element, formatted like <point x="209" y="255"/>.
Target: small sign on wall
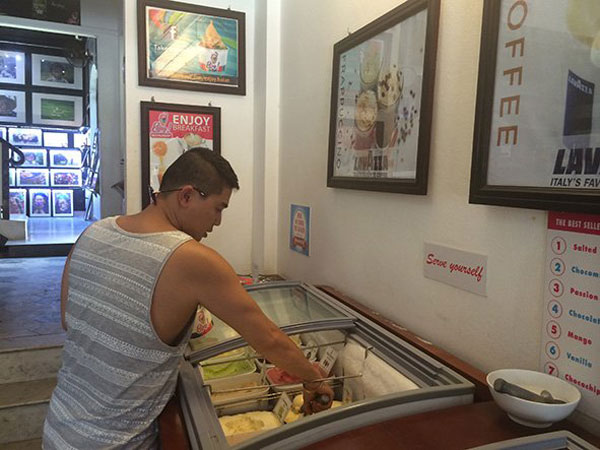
<point x="300" y="229"/>
<point x="458" y="268"/>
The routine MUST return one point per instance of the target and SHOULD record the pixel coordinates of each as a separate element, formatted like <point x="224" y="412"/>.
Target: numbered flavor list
<point x="571" y="324"/>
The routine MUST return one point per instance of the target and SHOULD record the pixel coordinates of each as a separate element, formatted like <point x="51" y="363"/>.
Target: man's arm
<point x="218" y="288"/>
<point x="64" y="289"/>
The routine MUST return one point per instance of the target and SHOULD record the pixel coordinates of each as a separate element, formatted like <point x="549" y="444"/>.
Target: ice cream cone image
<point x="212" y="53"/>
<point x="159" y="148"/>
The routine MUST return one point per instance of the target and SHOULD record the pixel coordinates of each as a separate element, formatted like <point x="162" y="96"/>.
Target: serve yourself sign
<point x="461" y="269"/>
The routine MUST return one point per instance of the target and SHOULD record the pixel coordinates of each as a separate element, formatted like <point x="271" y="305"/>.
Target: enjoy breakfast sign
<point x="461" y="269"/>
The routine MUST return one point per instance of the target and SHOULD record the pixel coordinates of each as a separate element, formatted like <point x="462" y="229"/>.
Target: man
<point x="130" y="290"/>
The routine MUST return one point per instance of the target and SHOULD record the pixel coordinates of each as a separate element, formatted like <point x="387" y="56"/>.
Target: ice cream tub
<point x="230" y="369"/>
<point x="241" y="427"/>
<point x="225" y="402"/>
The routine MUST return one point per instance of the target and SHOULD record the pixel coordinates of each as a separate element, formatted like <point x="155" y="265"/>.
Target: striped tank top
<point x="117" y="375"/>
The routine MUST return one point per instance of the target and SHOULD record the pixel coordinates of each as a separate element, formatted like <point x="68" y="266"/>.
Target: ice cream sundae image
<point x="389" y="93"/>
<point x="213" y="52"/>
<point x="365" y="116"/>
<point x="370" y="64"/>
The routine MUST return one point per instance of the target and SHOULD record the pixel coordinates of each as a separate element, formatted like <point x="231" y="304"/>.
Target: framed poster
<point x="34" y="157"/>
<point x="62" y="202"/>
<point x="185" y="46"/>
<point x="65" y="158"/>
<point x="57" y="110"/>
<point x="168" y="130"/>
<point x="25" y="136"/>
<point x="53" y="139"/>
<point x="39" y="202"/>
<point x="55" y="71"/>
<point x="381" y="101"/>
<point x="17" y="201"/>
<point x="12" y="106"/>
<point x="12" y="67"/>
<point x="32" y="177"/>
<point x="537" y="122"/>
<point x="65" y="177"/>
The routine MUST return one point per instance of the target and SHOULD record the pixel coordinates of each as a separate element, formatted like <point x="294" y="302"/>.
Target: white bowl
<point x="529" y="413"/>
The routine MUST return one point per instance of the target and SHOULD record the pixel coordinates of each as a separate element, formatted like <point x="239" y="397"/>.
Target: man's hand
<point x="317" y="399"/>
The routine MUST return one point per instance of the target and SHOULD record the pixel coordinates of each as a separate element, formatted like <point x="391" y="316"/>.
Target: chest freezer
<point x="228" y="393"/>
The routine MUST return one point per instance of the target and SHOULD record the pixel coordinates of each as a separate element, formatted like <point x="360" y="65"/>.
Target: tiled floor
<point x="53" y="230"/>
<point x="30" y="302"/>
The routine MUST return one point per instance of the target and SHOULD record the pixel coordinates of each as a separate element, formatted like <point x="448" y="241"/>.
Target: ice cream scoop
<point x="504" y="387"/>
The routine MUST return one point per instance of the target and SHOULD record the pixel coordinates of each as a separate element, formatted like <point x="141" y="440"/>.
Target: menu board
<point x="571" y="326"/>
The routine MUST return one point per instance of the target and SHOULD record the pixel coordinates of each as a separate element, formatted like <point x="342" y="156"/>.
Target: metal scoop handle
<point x="504" y="387"/>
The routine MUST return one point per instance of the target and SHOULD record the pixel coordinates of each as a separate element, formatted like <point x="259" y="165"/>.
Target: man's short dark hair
<point x="202" y="168"/>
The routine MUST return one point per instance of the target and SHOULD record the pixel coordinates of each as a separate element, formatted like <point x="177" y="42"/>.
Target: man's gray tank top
<point x="117" y="375"/>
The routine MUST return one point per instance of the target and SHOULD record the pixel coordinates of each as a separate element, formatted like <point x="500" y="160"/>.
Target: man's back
<point x="117" y="374"/>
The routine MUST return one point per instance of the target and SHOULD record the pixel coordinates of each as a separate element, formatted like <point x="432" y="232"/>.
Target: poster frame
<point x="418" y="184"/>
<point x="544" y="198"/>
<point x="145" y="108"/>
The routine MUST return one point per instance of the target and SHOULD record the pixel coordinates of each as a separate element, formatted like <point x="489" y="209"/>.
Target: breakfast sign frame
<point x="169" y="130"/>
<point x="381" y="102"/>
<point x="191" y="47"/>
<point x="537" y="120"/>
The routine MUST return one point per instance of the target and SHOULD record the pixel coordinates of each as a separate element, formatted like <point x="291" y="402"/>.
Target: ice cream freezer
<point x="231" y="397"/>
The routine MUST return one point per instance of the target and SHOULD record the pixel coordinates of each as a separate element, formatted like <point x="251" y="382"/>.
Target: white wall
<point x="370" y="245"/>
<point x="233" y="239"/>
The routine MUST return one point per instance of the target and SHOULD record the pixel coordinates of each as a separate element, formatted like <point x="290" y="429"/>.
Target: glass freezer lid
<point x="287" y="304"/>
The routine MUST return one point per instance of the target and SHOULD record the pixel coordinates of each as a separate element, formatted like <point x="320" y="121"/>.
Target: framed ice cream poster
<point x="381" y="102"/>
<point x="185" y="46"/>
<point x="300" y="229"/>
<point x="169" y="130"/>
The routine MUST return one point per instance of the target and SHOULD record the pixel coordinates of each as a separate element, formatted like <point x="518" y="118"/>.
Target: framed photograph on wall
<point x="17" y="202"/>
<point x="192" y="47"/>
<point x="33" y="177"/>
<point x="65" y="177"/>
<point x="381" y="102"/>
<point x="537" y="122"/>
<point x="57" y="110"/>
<point x="65" y="158"/>
<point x="55" y="71"/>
<point x="34" y="157"/>
<point x="13" y="107"/>
<point x="39" y="202"/>
<point x="53" y="139"/>
<point x="62" y="202"/>
<point x="25" y="136"/>
<point x="169" y="130"/>
<point x="12" y="67"/>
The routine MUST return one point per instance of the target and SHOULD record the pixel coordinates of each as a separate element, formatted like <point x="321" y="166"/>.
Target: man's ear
<point x="184" y="195"/>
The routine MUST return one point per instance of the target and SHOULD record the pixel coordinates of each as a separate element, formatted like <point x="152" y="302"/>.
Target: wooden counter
<point x="453" y="428"/>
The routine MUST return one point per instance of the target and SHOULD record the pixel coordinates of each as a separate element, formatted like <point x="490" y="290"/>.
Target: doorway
<point x="50" y="138"/>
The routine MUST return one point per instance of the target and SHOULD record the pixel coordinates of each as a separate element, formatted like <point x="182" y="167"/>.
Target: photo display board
<point x="571" y="324"/>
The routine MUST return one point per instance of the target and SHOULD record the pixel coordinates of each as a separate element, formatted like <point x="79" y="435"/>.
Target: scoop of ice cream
<point x="222" y="396"/>
<point x="366" y="110"/>
<point x="193" y="140"/>
<point x="249" y="422"/>
<point x="389" y="87"/>
<point x="159" y="148"/>
<point x="212" y="38"/>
